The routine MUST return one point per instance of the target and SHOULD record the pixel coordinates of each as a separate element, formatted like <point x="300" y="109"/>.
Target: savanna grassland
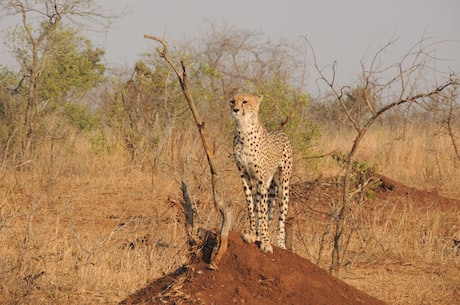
<point x="92" y="159"/>
<point x="85" y="229"/>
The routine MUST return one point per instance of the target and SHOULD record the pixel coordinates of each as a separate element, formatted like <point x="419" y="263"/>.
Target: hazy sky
<point x="342" y="30"/>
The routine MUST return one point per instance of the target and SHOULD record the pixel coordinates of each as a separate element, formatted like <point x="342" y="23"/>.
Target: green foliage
<point x="9" y="94"/>
<point x="99" y="142"/>
<point x="146" y="108"/>
<point x="57" y="67"/>
<point x="229" y="60"/>
<point x="67" y="61"/>
<point x="80" y="116"/>
<point x="144" y="112"/>
<point x="363" y="177"/>
<point x="284" y="104"/>
<point x="73" y="66"/>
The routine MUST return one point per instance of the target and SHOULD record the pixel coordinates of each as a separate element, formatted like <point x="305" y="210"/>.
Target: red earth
<point x="248" y="276"/>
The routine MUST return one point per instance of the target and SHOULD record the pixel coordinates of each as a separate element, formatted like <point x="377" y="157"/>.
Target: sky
<point x="343" y="31"/>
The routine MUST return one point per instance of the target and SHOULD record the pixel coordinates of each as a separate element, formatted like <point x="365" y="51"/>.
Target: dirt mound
<point x="319" y="192"/>
<point x="420" y="198"/>
<point x="248" y="276"/>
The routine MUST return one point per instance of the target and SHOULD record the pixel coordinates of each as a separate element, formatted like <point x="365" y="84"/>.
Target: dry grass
<point x="76" y="228"/>
<point x="403" y="251"/>
<point x="418" y="156"/>
<point x="86" y="231"/>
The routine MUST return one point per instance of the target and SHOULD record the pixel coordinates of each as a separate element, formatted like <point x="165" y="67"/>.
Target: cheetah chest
<point x="252" y="154"/>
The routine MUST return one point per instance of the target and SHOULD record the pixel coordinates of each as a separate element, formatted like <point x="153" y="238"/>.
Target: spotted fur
<point x="264" y="160"/>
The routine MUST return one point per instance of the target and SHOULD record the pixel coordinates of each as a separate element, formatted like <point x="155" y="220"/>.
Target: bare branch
<point x="409" y="71"/>
<point x="216" y="180"/>
<point x="75" y="10"/>
<point x="164" y="54"/>
<point x="338" y="93"/>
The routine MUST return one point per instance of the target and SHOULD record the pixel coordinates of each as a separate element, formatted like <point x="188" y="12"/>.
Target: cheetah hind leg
<point x="283" y="207"/>
<point x="265" y="245"/>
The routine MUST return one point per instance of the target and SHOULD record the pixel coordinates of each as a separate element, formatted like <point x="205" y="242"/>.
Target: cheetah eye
<point x="245" y="102"/>
<point x="232" y="102"/>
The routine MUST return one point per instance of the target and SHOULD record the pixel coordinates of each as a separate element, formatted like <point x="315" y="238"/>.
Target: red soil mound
<point x="248" y="276"/>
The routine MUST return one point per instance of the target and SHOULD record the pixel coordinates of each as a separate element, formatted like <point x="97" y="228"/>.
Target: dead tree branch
<point x="217" y="185"/>
<point x="406" y="78"/>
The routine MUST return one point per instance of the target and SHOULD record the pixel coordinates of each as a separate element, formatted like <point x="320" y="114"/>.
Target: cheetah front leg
<point x="249" y="237"/>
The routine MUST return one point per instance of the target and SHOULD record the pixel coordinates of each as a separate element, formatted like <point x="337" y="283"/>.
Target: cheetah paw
<point x="282" y="245"/>
<point x="267" y="248"/>
<point x="249" y="238"/>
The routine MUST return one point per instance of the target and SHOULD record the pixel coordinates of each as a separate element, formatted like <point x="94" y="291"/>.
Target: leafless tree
<point x="237" y="57"/>
<point x="445" y="109"/>
<point x="452" y="122"/>
<point x="382" y="88"/>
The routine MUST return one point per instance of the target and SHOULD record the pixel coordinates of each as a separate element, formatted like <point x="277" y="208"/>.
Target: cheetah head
<point x="245" y="106"/>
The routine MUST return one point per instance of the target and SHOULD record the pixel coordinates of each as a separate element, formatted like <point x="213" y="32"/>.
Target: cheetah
<point x="264" y="161"/>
